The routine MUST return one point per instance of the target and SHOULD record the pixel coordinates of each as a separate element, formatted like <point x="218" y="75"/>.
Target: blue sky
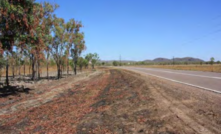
<point x="147" y="29"/>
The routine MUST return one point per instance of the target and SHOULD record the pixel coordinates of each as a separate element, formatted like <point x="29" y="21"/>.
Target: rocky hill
<point x="163" y="60"/>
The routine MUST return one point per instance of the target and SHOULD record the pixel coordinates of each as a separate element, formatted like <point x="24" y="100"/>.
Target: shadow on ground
<point x="13" y="90"/>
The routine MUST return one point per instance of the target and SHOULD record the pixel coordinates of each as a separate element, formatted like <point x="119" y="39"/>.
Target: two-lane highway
<point x="205" y="80"/>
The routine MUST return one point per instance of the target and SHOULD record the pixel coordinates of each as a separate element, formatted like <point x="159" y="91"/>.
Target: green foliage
<point x="212" y="59"/>
<point x="66" y="38"/>
<point x="16" y="19"/>
<point x="89" y="57"/>
<point x="95" y="58"/>
<point x="116" y="63"/>
<point x="85" y="63"/>
<point x="92" y="58"/>
<point x="80" y="62"/>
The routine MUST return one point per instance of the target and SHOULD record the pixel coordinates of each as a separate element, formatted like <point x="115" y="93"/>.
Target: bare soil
<point x="111" y="101"/>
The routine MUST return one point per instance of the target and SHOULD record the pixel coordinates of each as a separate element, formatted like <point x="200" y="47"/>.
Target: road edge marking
<point x="176" y="81"/>
<point x="180" y="73"/>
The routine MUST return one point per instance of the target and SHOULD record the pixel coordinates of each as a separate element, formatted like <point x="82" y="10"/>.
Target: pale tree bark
<point x="7" y="66"/>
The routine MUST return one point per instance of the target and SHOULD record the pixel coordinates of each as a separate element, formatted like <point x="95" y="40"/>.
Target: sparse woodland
<point x="33" y="37"/>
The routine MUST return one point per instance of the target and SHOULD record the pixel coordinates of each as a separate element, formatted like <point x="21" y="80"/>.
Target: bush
<point x="115" y="63"/>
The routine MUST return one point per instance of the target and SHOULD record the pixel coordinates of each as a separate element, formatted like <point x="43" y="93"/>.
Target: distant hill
<point x="187" y="59"/>
<point x="123" y="61"/>
<point x="148" y="61"/>
<point x="161" y="60"/>
<point x="165" y="60"/>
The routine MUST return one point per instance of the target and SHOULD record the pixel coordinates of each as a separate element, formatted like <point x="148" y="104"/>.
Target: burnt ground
<point x="108" y="102"/>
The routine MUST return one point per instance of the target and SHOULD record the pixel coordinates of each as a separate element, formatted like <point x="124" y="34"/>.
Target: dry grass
<point x="52" y="69"/>
<point x="16" y="70"/>
<point x="206" y="68"/>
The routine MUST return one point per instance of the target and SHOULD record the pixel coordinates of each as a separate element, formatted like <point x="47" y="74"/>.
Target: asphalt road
<point x="205" y="80"/>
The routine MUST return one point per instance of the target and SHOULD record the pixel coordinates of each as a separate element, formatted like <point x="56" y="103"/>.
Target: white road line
<point x="208" y="89"/>
<point x="180" y="73"/>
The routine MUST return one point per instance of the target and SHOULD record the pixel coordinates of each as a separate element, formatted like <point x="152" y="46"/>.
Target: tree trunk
<point x="16" y="70"/>
<point x="59" y="71"/>
<point x="0" y="74"/>
<point x="47" y="64"/>
<point x="24" y="70"/>
<point x="13" y="70"/>
<point x="68" y="63"/>
<point x="58" y="75"/>
<point x="47" y="69"/>
<point x="33" y="70"/>
<point x="7" y="80"/>
<point x="19" y="70"/>
<point x="62" y="68"/>
<point x="68" y="67"/>
<point x="39" y="71"/>
<point x="75" y="68"/>
<point x="36" y="70"/>
<point x="29" y="71"/>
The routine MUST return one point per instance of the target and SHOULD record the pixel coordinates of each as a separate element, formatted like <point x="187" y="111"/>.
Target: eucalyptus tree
<point x="78" y="47"/>
<point x="76" y="43"/>
<point x="30" y="56"/>
<point x="212" y="59"/>
<point x="88" y="57"/>
<point x="85" y="63"/>
<point x="92" y="58"/>
<point x="41" y="35"/>
<point x="71" y="30"/>
<point x="47" y="54"/>
<point x="19" y="59"/>
<point x="80" y="62"/>
<point x="24" y="63"/>
<point x="59" y="42"/>
<point x="12" y="62"/>
<point x="16" y="19"/>
<point x="48" y="23"/>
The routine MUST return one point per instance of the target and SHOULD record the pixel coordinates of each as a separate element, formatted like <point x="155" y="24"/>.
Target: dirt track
<point x="114" y="101"/>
